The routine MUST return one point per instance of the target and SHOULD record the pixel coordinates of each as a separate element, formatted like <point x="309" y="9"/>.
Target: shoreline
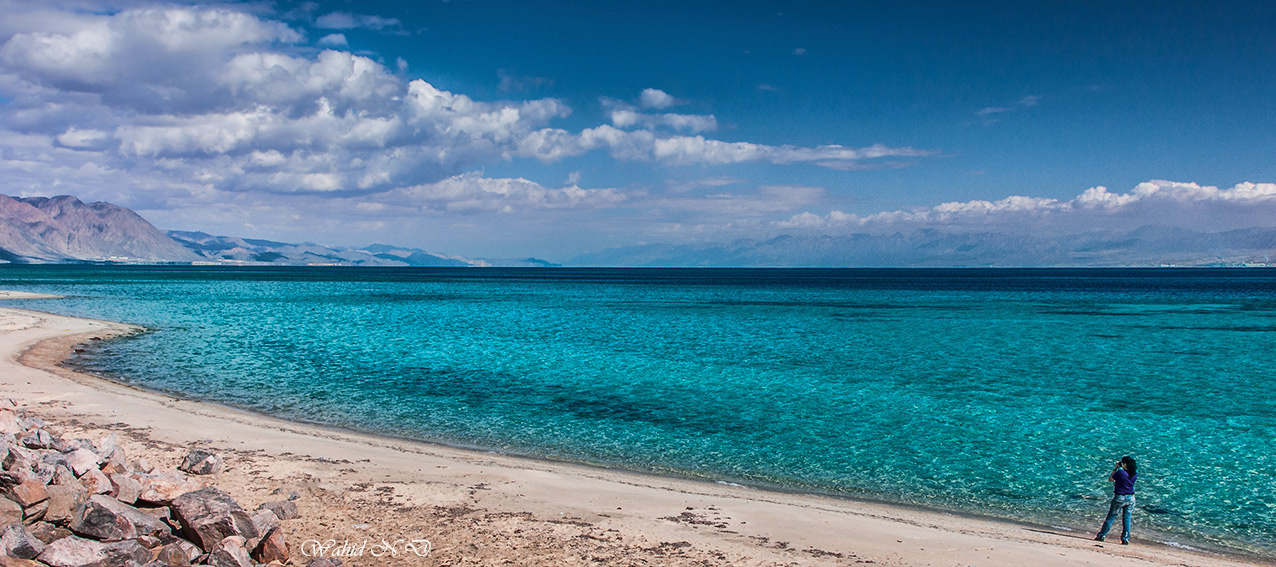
<point x="616" y="509"/>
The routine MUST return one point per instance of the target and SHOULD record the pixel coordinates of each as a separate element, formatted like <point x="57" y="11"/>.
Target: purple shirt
<point x="1124" y="481"/>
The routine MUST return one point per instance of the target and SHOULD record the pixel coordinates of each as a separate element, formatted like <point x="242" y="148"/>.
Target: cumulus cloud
<point x="656" y="98"/>
<point x="334" y="40"/>
<point x="1150" y="203"/>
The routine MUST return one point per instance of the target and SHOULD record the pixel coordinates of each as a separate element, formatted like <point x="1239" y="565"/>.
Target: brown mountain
<point x="63" y="228"/>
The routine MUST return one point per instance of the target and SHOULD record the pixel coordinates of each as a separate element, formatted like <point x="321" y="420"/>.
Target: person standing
<point x="1122" y="477"/>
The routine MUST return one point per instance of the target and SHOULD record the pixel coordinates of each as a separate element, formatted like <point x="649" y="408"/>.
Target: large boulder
<point x="96" y="482"/>
<point x="208" y="516"/>
<point x="106" y="518"/>
<point x="79" y="552"/>
<point x="17" y="541"/>
<point x="125" y="488"/>
<point x="83" y="460"/>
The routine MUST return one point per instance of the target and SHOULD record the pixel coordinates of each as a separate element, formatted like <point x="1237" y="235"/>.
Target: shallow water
<point x="999" y="392"/>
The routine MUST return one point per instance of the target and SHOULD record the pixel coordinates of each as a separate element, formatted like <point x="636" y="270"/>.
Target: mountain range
<point x="65" y="229"/>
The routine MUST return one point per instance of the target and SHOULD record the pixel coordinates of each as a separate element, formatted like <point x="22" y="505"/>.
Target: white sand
<point x="479" y="508"/>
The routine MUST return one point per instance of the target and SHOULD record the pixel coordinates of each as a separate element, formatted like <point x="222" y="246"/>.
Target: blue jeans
<point x="1122" y="504"/>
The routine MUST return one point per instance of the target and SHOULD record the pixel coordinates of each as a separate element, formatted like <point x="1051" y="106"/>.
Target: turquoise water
<point x="1006" y="393"/>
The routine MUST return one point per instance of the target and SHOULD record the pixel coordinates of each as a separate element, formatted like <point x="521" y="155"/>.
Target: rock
<point x="6" y="561"/>
<point x="62" y="475"/>
<point x="292" y="494"/>
<point x="108" y="443"/>
<point x="54" y="459"/>
<point x="39" y="439"/>
<point x="19" y="457"/>
<point x="82" y="461"/>
<point x="9" y="480"/>
<point x="284" y="509"/>
<point x="9" y="422"/>
<point x="325" y="562"/>
<point x="208" y="516"/>
<point x="106" y="518"/>
<point x="125" y="488"/>
<point x="79" y="552"/>
<point x="63" y="500"/>
<point x="17" y="541"/>
<point x="272" y="547"/>
<point x="10" y="512"/>
<point x="48" y="533"/>
<point x="96" y="482"/>
<point x="264" y="520"/>
<point x="230" y="553"/>
<point x="162" y="488"/>
<point x="32" y="422"/>
<point x="28" y="493"/>
<point x="199" y="461"/>
<point x="191" y="550"/>
<point x="172" y="554"/>
<point x="141" y="465"/>
<point x="36" y="512"/>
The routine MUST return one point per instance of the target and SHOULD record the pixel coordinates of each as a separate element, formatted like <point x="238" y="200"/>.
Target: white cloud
<point x="473" y="193"/>
<point x="334" y="40"/>
<point x="348" y="21"/>
<point x="1152" y="202"/>
<point x="656" y="98"/>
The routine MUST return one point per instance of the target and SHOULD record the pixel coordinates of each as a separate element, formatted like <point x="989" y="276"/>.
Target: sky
<point x="511" y="129"/>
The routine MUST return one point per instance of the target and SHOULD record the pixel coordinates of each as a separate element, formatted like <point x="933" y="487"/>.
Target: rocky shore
<point x="74" y="502"/>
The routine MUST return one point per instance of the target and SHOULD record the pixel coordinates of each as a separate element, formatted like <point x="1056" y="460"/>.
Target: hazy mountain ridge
<point x="1147" y="246"/>
<point x="64" y="229"/>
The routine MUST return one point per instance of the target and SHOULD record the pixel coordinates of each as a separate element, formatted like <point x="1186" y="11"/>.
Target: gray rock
<point x="284" y="509"/>
<point x="106" y="518"/>
<point x="39" y="439"/>
<point x="17" y="541"/>
<point x="325" y="562"/>
<point x="199" y="461"/>
<point x="208" y="516"/>
<point x="79" y="552"/>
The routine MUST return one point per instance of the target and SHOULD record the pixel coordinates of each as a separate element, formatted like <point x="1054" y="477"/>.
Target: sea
<point x="1004" y="393"/>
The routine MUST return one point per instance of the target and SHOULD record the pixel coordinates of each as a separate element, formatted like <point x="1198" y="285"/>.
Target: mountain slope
<point x="63" y="228"/>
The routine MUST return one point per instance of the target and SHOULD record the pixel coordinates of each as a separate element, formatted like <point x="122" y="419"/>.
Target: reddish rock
<point x="48" y="533"/>
<point x="125" y="488"/>
<point x="35" y="512"/>
<point x="273" y="547"/>
<point x="63" y="500"/>
<point x="6" y="561"/>
<point x="62" y="475"/>
<point x="208" y="516"/>
<point x="9" y="423"/>
<point x="172" y="554"/>
<point x="265" y="520"/>
<point x="28" y="493"/>
<point x="162" y="488"/>
<point x="10" y="512"/>
<point x="79" y="552"/>
<point x="82" y="461"/>
<point x="230" y="552"/>
<point x="96" y="482"/>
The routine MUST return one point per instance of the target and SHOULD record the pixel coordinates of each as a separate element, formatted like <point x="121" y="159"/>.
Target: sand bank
<point x="363" y="494"/>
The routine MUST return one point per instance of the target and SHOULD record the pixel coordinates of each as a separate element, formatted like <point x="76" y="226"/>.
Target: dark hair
<point x="1130" y="466"/>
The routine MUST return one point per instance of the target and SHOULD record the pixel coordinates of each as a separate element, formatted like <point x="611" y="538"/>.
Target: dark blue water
<point x="1006" y="393"/>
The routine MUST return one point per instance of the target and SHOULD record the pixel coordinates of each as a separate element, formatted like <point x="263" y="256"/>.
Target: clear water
<point x="1006" y="393"/>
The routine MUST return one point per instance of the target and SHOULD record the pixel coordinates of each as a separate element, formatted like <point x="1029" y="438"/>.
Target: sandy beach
<point x="478" y="508"/>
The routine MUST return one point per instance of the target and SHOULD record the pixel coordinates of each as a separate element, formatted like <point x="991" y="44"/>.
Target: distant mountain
<point x="59" y="229"/>
<point x="1148" y="246"/>
<point x="231" y="249"/>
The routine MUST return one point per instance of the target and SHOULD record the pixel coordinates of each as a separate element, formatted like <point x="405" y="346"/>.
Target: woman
<point x="1123" y="477"/>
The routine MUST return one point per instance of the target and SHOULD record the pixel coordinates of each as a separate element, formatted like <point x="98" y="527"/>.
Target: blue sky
<point x="504" y="129"/>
